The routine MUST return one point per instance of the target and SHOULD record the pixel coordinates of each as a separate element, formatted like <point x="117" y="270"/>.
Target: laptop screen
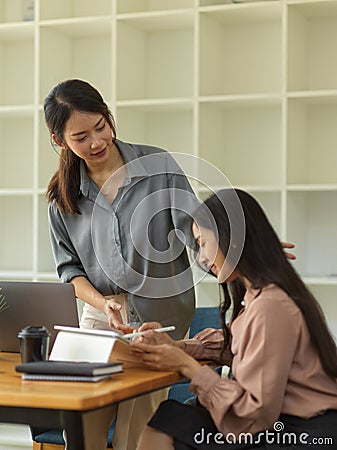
<point x="35" y="303"/>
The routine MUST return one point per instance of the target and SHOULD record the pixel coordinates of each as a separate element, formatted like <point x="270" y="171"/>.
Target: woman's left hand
<point x="166" y="357"/>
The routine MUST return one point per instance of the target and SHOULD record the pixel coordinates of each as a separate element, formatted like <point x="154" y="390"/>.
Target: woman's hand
<point x="166" y="357"/>
<point x="110" y="305"/>
<point x="151" y="337"/>
<point x="113" y="311"/>
<point x="289" y="245"/>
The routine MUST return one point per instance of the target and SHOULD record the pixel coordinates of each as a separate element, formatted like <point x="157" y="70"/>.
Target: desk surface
<point x="74" y="396"/>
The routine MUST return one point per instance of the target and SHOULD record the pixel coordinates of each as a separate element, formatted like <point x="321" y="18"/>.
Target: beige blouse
<point x="275" y="366"/>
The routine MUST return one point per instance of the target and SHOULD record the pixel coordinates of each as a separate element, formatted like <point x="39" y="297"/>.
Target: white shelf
<point x="312" y="28"/>
<point x="11" y="11"/>
<point x="321" y="281"/>
<point x="245" y="93"/>
<point x="315" y="9"/>
<point x="18" y="156"/>
<point x="326" y="295"/>
<point x="158" y="104"/>
<point x="242" y="134"/>
<point x="16" y="192"/>
<point x="236" y="12"/>
<point x="240" y="49"/>
<point x="312" y="222"/>
<point x="16" y="111"/>
<point x="80" y="26"/>
<point x="155" y="56"/>
<point x="45" y="257"/>
<point x="73" y="45"/>
<point x="311" y="187"/>
<point x="145" y="6"/>
<point x="47" y="156"/>
<point x="16" y="58"/>
<point x="49" y="9"/>
<point x="311" y="131"/>
<point x="240" y="100"/>
<point x="16" y="227"/>
<point x="158" y="125"/>
<point x="16" y="31"/>
<point x="17" y="275"/>
<point x="207" y="295"/>
<point x="314" y="96"/>
<point x="160" y="20"/>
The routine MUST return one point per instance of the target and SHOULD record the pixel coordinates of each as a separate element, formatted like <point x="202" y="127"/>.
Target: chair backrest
<point x="205" y="317"/>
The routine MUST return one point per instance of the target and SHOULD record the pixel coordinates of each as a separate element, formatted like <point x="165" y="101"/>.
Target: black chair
<point x="53" y="439"/>
<point x="207" y="317"/>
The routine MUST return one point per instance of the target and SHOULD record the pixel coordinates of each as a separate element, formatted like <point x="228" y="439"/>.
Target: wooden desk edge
<point x="77" y="395"/>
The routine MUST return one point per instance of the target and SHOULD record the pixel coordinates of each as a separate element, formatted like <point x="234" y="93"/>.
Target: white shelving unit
<point x="250" y="87"/>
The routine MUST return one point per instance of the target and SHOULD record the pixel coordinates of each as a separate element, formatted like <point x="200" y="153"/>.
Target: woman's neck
<point x="101" y="173"/>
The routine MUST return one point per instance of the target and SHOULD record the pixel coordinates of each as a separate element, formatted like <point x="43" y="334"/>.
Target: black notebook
<point x="67" y="370"/>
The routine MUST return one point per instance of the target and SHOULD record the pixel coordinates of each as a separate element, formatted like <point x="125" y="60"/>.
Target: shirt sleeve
<point x="208" y="344"/>
<point x="263" y="354"/>
<point x="68" y="264"/>
<point x="183" y="200"/>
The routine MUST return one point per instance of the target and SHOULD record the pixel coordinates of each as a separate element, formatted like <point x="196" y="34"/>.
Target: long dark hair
<point x="262" y="262"/>
<point x="63" y="99"/>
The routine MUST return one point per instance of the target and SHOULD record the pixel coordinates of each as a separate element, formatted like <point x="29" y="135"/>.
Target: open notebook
<point x="35" y="303"/>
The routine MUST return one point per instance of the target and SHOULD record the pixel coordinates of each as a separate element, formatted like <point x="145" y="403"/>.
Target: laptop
<point x="36" y="304"/>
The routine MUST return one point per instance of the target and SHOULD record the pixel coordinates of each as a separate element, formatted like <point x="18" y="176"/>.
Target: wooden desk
<point x="83" y="409"/>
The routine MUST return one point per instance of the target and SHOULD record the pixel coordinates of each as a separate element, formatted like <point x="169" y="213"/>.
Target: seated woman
<point x="283" y="358"/>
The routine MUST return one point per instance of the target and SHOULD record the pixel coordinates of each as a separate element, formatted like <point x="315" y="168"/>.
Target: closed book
<point x="84" y="369"/>
<point x="46" y="377"/>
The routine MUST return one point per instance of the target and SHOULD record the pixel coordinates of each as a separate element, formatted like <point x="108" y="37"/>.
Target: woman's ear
<point x="58" y="141"/>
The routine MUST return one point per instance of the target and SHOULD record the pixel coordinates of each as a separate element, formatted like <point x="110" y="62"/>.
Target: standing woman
<point x="284" y="359"/>
<point x="114" y="209"/>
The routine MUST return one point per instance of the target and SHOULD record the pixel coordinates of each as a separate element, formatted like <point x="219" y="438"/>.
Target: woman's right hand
<point x="151" y="337"/>
<point x="112" y="310"/>
<point x="111" y="305"/>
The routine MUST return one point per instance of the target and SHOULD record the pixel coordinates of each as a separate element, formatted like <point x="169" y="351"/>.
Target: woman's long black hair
<point x="262" y="262"/>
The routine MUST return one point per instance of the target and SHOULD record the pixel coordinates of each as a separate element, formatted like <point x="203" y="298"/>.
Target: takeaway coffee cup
<point x="34" y="343"/>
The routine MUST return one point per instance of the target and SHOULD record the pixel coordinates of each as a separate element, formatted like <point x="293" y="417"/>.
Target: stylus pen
<point x="140" y="333"/>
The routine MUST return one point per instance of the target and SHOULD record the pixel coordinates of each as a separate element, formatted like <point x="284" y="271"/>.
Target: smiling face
<point x="89" y="136"/>
<point x="211" y="255"/>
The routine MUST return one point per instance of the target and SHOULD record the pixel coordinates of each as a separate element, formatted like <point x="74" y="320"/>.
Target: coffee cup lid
<point x="33" y="331"/>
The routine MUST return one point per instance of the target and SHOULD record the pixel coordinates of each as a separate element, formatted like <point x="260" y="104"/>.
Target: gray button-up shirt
<point x="137" y="243"/>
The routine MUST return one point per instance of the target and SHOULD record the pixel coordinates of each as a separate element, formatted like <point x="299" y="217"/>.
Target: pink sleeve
<point x="208" y="345"/>
<point x="263" y="354"/>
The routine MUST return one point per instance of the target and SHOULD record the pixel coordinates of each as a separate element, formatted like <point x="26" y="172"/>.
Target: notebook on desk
<point x="35" y="303"/>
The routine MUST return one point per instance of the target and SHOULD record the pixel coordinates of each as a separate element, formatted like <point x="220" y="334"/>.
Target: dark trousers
<point x="192" y="427"/>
